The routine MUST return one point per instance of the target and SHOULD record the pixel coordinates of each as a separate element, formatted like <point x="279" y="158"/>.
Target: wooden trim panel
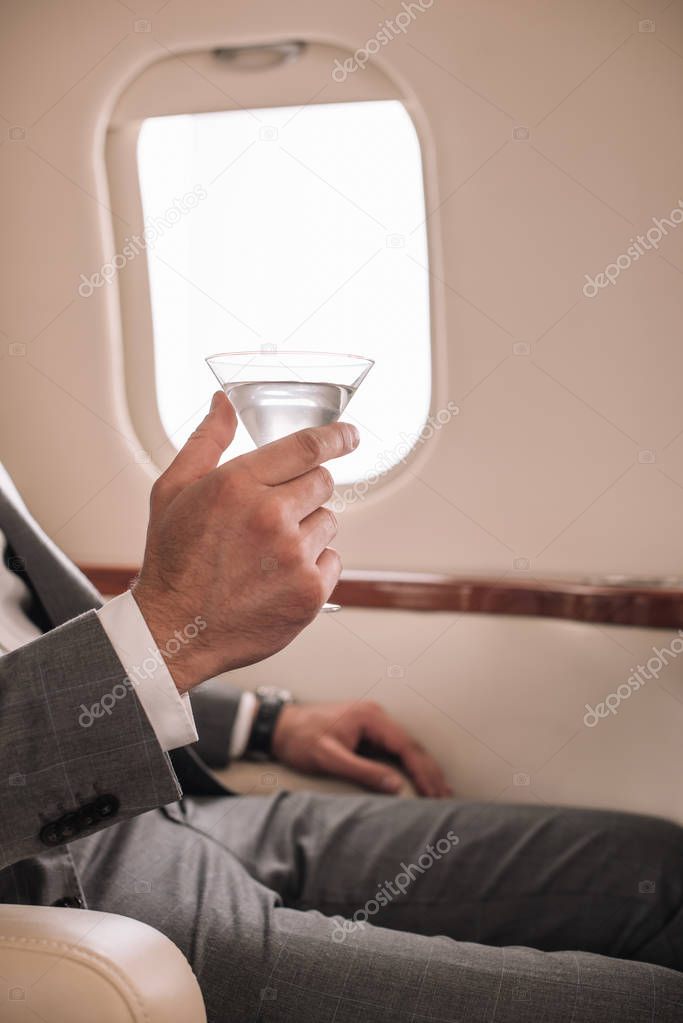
<point x="644" y="603"/>
<point x="110" y="579"/>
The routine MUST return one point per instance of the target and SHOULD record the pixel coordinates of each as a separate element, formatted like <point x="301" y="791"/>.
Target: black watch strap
<point x="271" y="703"/>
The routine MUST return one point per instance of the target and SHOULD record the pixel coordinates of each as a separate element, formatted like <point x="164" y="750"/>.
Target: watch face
<point x="273" y="693"/>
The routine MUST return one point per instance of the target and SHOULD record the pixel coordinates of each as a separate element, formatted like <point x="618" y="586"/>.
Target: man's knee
<point x="649" y="848"/>
<point x="643" y="858"/>
<point x="632" y="836"/>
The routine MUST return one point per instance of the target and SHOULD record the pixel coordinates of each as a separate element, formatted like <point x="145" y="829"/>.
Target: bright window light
<point x="291" y="228"/>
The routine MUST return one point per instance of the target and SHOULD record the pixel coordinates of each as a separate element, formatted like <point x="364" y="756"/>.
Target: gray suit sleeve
<point x="215" y="704"/>
<point x="76" y="750"/>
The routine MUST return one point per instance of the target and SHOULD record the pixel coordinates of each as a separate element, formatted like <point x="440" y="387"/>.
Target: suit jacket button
<point x="69" y="902"/>
<point x="87" y="816"/>
<point x="51" y="834"/>
<point x="105" y="806"/>
<point x="69" y="825"/>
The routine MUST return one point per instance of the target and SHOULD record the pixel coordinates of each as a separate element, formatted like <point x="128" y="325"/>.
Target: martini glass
<point x="277" y="393"/>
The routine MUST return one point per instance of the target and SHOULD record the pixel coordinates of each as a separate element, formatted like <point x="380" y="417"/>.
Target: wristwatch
<point x="271" y="702"/>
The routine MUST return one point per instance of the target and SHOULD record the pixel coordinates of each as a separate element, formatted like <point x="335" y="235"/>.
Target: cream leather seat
<point x="75" y="965"/>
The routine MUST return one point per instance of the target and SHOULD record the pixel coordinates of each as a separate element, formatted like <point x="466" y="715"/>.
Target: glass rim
<point x="347" y="356"/>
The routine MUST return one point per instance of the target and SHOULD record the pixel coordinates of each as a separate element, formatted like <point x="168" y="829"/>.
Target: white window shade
<point x="306" y="231"/>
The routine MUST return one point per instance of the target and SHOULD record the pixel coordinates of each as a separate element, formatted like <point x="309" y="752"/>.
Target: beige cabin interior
<point x="550" y="138"/>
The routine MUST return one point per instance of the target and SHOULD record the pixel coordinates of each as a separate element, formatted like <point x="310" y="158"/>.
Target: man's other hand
<point x="323" y="738"/>
<point x="243" y="546"/>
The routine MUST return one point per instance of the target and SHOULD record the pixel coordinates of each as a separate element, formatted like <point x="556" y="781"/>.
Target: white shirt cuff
<point x="241" y="730"/>
<point x="169" y="713"/>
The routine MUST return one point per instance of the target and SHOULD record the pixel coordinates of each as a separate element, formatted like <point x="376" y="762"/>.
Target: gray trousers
<point x="303" y="908"/>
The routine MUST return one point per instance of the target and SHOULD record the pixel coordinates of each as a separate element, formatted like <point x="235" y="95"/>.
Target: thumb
<point x="202" y="450"/>
<point x="336" y="759"/>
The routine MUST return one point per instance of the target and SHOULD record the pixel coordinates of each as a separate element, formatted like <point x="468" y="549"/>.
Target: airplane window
<point x="291" y="228"/>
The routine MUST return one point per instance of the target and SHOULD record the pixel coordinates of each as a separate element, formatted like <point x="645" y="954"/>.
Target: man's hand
<point x="322" y="738"/>
<point x="243" y="546"/>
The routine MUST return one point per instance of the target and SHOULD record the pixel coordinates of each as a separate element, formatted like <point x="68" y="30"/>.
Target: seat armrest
<point x="76" y="965"/>
<point x="249" y="778"/>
